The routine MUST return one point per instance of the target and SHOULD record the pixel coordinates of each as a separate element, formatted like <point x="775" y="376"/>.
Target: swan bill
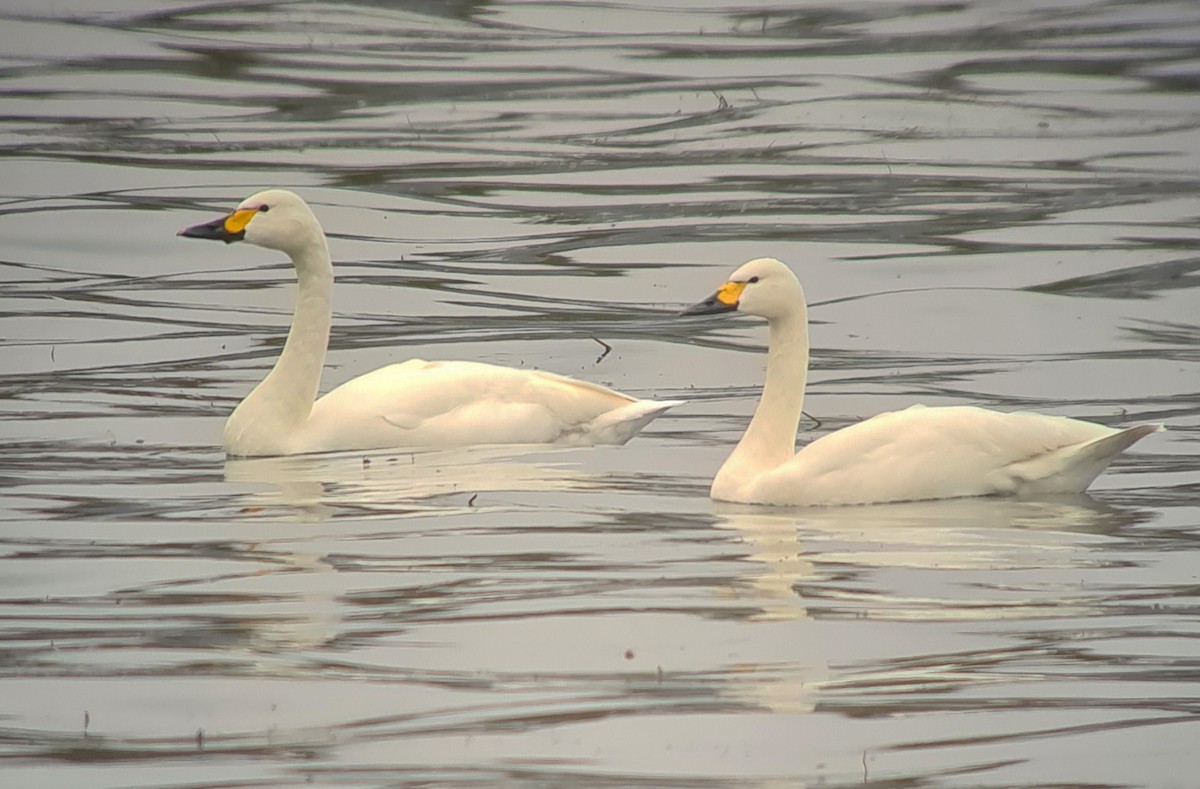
<point x="228" y="228"/>
<point x="724" y="300"/>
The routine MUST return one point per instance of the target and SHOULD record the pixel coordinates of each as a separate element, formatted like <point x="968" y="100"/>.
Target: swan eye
<point x="752" y="280"/>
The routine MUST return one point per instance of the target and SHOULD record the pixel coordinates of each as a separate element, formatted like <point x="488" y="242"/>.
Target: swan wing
<point x="456" y="403"/>
<point x="937" y="453"/>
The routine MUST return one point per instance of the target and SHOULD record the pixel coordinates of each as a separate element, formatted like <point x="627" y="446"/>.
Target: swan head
<point x="764" y="287"/>
<point x="275" y="219"/>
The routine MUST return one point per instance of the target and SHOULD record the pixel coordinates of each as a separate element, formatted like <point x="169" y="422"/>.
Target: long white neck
<point x="770" y="440"/>
<point x="281" y="404"/>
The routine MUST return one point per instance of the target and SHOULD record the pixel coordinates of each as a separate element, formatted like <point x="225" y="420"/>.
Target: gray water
<point x="992" y="203"/>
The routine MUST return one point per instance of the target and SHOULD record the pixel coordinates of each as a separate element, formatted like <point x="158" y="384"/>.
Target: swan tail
<point x="621" y="424"/>
<point x="1072" y="469"/>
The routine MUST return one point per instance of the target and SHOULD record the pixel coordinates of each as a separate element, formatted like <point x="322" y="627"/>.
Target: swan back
<point x="939" y="453"/>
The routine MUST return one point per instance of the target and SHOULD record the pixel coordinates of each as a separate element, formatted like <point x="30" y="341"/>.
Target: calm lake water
<point x="992" y="203"/>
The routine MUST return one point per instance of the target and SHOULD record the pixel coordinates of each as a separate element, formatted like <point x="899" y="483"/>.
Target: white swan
<point x="413" y="404"/>
<point x="916" y="454"/>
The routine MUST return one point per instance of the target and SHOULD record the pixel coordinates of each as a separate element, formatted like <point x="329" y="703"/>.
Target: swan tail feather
<point x="621" y="424"/>
<point x="1072" y="469"/>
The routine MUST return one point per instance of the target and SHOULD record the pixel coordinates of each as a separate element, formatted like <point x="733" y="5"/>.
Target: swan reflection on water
<point x="809" y="568"/>
<point x="310" y="493"/>
<point x="788" y="545"/>
<point x="396" y="482"/>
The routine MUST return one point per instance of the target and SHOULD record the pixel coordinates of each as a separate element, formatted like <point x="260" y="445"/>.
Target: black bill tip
<point x="710" y="306"/>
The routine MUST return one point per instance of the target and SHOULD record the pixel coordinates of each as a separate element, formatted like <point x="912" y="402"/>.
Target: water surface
<point x="988" y="203"/>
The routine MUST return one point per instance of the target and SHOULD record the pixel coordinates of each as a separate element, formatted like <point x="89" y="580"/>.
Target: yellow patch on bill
<point x="730" y="292"/>
<point x="237" y="221"/>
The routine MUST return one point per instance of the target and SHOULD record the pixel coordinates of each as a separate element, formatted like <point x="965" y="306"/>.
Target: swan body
<point x="413" y="404"/>
<point x="915" y="454"/>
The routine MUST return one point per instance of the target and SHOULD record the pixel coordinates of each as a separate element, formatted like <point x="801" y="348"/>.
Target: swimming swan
<point x="915" y="454"/>
<point x="413" y="404"/>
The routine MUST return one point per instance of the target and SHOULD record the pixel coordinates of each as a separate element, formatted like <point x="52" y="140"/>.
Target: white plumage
<point x="413" y="404"/>
<point x="916" y="454"/>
